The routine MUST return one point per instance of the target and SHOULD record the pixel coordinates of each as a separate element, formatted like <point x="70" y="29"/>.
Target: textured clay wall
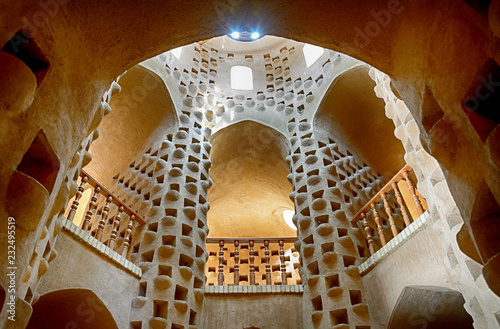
<point x="252" y="311"/>
<point x="419" y="261"/>
<point x="80" y="267"/>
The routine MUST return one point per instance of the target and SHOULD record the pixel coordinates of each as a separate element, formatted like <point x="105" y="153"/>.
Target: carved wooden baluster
<point x="380" y="228"/>
<point x="90" y="211"/>
<point x="128" y="236"/>
<point x="104" y="218"/>
<point x="236" y="263"/>
<point x="369" y="237"/>
<point x="282" y="263"/>
<point x="114" y="231"/>
<point x="420" y="209"/>
<point x="268" y="264"/>
<point x="221" y="263"/>
<point x="76" y="203"/>
<point x="252" y="265"/>
<point x="399" y="198"/>
<point x="388" y="211"/>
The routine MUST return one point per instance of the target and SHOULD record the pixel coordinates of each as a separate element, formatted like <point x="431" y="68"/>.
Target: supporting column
<point x="172" y="252"/>
<point x="330" y="248"/>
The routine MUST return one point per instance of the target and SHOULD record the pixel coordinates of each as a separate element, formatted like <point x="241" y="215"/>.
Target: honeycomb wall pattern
<point x="328" y="183"/>
<point x="168" y="184"/>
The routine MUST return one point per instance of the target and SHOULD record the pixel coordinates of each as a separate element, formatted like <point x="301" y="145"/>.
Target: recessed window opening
<point x="241" y="78"/>
<point x="312" y="53"/>
<point x="177" y="52"/>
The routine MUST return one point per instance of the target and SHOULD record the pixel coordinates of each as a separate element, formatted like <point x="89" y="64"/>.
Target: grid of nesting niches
<point x="291" y="262"/>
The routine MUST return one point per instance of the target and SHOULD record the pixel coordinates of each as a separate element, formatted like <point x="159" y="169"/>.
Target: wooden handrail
<point x="362" y="214"/>
<point x="387" y="187"/>
<point x="104" y="191"/>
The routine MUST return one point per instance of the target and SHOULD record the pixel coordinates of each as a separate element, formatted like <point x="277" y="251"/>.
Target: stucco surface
<point x="79" y="267"/>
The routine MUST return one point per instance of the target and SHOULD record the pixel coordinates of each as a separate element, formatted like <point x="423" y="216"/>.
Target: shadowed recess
<point x="71" y="308"/>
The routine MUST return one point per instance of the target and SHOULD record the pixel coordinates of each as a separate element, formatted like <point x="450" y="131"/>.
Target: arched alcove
<point x="431" y="307"/>
<point x="142" y="113"/>
<point x="355" y="116"/>
<point x="250" y="190"/>
<point x="71" y="308"/>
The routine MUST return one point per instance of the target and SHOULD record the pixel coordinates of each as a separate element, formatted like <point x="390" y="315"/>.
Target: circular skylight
<point x="245" y="36"/>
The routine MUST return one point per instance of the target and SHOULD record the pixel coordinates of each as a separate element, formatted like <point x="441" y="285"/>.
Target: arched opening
<point x="249" y="198"/>
<point x="250" y="190"/>
<point x="430" y="307"/>
<point x="413" y="49"/>
<point x="142" y="113"/>
<point x="355" y="116"/>
<point x="71" y="308"/>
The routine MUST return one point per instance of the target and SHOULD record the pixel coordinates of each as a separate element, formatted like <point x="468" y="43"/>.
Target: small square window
<point x="241" y="78"/>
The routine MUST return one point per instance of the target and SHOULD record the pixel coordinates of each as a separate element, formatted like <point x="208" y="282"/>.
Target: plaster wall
<point x="352" y="113"/>
<point x="142" y="114"/>
<point x="252" y="311"/>
<point x="80" y="267"/>
<point x="419" y="261"/>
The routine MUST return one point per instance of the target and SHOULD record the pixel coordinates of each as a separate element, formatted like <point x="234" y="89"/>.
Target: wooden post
<point x="221" y="263"/>
<point x="114" y="231"/>
<point x="411" y="188"/>
<point x="90" y="211"/>
<point x="369" y="237"/>
<point x="128" y="236"/>
<point x="388" y="211"/>
<point x="380" y="228"/>
<point x="104" y="218"/>
<point x="236" y="263"/>
<point x="252" y="265"/>
<point x="399" y="198"/>
<point x="268" y="265"/>
<point x="282" y="263"/>
<point x="76" y="203"/>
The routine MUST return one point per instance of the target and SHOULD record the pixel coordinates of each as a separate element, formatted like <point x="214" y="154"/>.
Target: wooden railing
<point x="412" y="200"/>
<point x="252" y="261"/>
<point x="115" y="226"/>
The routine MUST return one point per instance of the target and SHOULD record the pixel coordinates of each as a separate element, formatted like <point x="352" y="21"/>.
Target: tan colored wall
<point x="418" y="261"/>
<point x="351" y="112"/>
<point x="77" y="266"/>
<point x="142" y="113"/>
<point x="244" y="311"/>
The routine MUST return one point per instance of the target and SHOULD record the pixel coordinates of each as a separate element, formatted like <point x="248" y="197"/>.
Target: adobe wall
<point x="262" y="311"/>
<point x="461" y="256"/>
<point x="418" y="261"/>
<point x="78" y="266"/>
